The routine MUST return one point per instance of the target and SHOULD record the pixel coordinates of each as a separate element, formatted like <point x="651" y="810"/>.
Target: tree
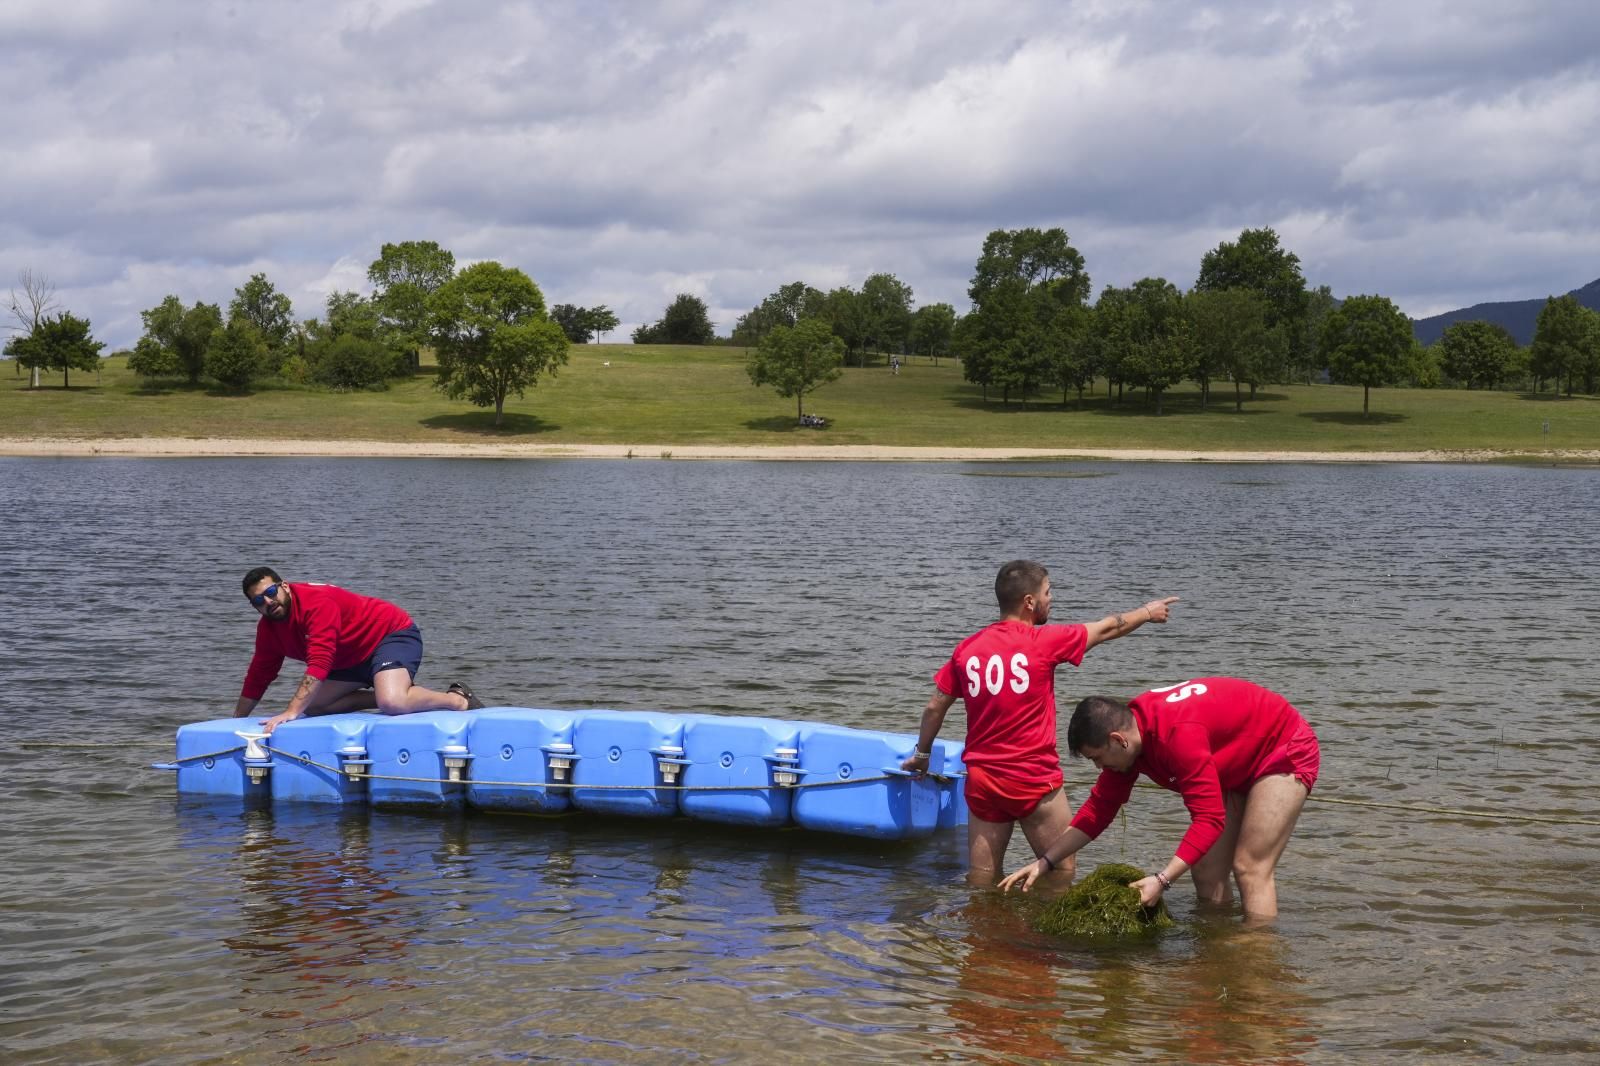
<point x="1231" y="339"/>
<point x="353" y="349"/>
<point x="1158" y="350"/>
<point x="797" y="359"/>
<point x="887" y="306"/>
<point x="1477" y="354"/>
<point x="1071" y="347"/>
<point x="1022" y="279"/>
<point x="1256" y="261"/>
<point x="31" y="307"/>
<point x="237" y="354"/>
<point x="932" y="328"/>
<point x="492" y="337"/>
<point x="574" y="322"/>
<point x="1563" y="339"/>
<point x="785" y="307"/>
<point x="404" y="278"/>
<point x="175" y="340"/>
<point x="602" y="320"/>
<point x="268" y="310"/>
<point x="847" y="313"/>
<point x="685" y="321"/>
<point x="61" y="342"/>
<point x="1366" y="342"/>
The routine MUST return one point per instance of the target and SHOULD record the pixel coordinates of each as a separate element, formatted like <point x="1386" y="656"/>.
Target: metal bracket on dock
<point x="456" y="759"/>
<point x="670" y="761"/>
<point x="560" y="758"/>
<point x="257" y="759"/>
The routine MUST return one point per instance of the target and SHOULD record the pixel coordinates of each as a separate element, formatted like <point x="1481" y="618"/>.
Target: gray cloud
<point x="1438" y="153"/>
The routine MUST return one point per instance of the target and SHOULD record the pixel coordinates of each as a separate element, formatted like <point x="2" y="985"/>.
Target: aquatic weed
<point x="1103" y="905"/>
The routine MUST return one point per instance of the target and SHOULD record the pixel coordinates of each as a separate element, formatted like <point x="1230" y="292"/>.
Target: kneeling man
<point x="1241" y="757"/>
<point x="360" y="652"/>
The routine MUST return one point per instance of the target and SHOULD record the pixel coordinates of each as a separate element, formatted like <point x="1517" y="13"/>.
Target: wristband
<point x="1162" y="878"/>
<point x="1048" y="865"/>
<point x="915" y="754"/>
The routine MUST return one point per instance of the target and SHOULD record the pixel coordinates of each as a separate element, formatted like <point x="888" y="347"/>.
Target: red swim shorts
<point x="1299" y="755"/>
<point x="993" y="798"/>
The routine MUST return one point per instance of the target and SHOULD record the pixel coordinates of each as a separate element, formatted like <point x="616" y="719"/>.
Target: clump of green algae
<point x="1103" y="905"/>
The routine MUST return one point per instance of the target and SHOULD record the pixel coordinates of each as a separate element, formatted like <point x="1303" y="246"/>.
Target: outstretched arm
<point x="932" y="719"/>
<point x="1122" y="623"/>
<point x="297" y="705"/>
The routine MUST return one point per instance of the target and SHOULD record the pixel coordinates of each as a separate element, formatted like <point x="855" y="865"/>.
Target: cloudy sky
<point x="1439" y="153"/>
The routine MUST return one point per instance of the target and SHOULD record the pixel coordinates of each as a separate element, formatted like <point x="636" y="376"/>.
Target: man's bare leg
<point x="397" y="695"/>
<point x="986" y="850"/>
<point x="1046" y="825"/>
<point x="1212" y="874"/>
<point x="336" y="697"/>
<point x="1271" y="809"/>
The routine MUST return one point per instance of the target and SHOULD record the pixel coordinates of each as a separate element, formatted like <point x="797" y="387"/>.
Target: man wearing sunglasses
<point x="360" y="653"/>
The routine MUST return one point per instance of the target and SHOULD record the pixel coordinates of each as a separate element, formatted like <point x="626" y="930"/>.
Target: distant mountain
<point x="1518" y="316"/>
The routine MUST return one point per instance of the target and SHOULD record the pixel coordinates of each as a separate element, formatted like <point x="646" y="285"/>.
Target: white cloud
<point x="1440" y="153"/>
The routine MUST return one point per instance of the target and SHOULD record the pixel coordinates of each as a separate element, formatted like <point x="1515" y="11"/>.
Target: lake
<point x="1436" y="624"/>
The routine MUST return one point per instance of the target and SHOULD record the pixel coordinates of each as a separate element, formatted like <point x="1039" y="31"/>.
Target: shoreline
<point x="182" y="447"/>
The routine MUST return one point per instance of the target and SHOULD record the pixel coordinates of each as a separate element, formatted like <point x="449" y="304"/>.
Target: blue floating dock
<point x="637" y="764"/>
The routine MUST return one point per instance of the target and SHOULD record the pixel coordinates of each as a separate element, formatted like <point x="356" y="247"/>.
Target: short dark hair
<point x="257" y="574"/>
<point x="1094" y="719"/>
<point x="1018" y="578"/>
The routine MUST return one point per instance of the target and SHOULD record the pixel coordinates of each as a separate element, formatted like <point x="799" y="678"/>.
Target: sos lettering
<point x="991" y="675"/>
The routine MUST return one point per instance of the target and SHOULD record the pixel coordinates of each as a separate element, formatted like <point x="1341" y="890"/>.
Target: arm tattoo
<point x="1121" y="623"/>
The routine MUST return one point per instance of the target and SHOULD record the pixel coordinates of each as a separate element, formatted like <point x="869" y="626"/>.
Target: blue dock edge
<point x="642" y="764"/>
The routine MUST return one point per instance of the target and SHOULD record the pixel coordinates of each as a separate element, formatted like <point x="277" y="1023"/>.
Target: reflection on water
<point x="1435" y="624"/>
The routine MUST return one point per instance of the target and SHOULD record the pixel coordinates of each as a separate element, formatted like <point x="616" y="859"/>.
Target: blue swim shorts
<point x="400" y="649"/>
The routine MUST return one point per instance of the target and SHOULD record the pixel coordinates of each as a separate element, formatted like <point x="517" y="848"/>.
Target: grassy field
<point x="625" y="394"/>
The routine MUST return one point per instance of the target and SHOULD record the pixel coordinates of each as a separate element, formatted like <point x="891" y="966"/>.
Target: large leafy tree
<point x="404" y="278"/>
<point x="1231" y="339"/>
<point x="59" y="342"/>
<point x="175" y="340"/>
<point x="932" y="329"/>
<point x="785" y="307"/>
<point x="685" y="321"/>
<point x="797" y="359"/>
<point x="492" y="337"/>
<point x="352" y="349"/>
<point x="1366" y="341"/>
<point x="237" y="354"/>
<point x="1072" y="350"/>
<point x="1477" y="354"/>
<point x="574" y="322"/>
<point x="887" y="301"/>
<point x="850" y="318"/>
<point x="1159" y="347"/>
<point x="1023" y="278"/>
<point x="259" y="302"/>
<point x="1564" y="341"/>
<point x="1258" y="262"/>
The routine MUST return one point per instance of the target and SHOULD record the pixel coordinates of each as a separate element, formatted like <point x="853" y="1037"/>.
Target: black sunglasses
<point x="268" y="593"/>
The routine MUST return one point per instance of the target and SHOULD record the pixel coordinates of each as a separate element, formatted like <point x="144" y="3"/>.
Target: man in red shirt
<point x="360" y="653"/>
<point x="1005" y="674"/>
<point x="1242" y="758"/>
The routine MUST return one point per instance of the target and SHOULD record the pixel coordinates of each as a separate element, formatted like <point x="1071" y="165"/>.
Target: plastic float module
<point x="644" y="764"/>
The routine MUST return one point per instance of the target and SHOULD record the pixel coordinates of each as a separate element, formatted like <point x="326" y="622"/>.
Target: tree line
<point x="1249" y="320"/>
<point x="486" y="325"/>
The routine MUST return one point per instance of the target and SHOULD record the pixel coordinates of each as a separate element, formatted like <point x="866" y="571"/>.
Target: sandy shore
<point x="177" y="447"/>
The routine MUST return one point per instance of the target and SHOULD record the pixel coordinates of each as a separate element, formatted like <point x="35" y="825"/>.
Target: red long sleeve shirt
<point x="328" y="628"/>
<point x="1200" y="739"/>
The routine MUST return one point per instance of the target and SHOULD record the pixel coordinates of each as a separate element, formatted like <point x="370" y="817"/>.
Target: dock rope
<point x="1409" y="808"/>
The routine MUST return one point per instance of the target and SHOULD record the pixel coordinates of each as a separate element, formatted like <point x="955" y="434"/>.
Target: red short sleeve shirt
<point x="1005" y="674"/>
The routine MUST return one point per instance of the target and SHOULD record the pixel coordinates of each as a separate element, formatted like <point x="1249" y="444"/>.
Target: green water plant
<point x="1103" y="905"/>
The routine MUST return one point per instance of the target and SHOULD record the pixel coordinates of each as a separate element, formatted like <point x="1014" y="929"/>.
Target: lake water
<point x="1437" y="624"/>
